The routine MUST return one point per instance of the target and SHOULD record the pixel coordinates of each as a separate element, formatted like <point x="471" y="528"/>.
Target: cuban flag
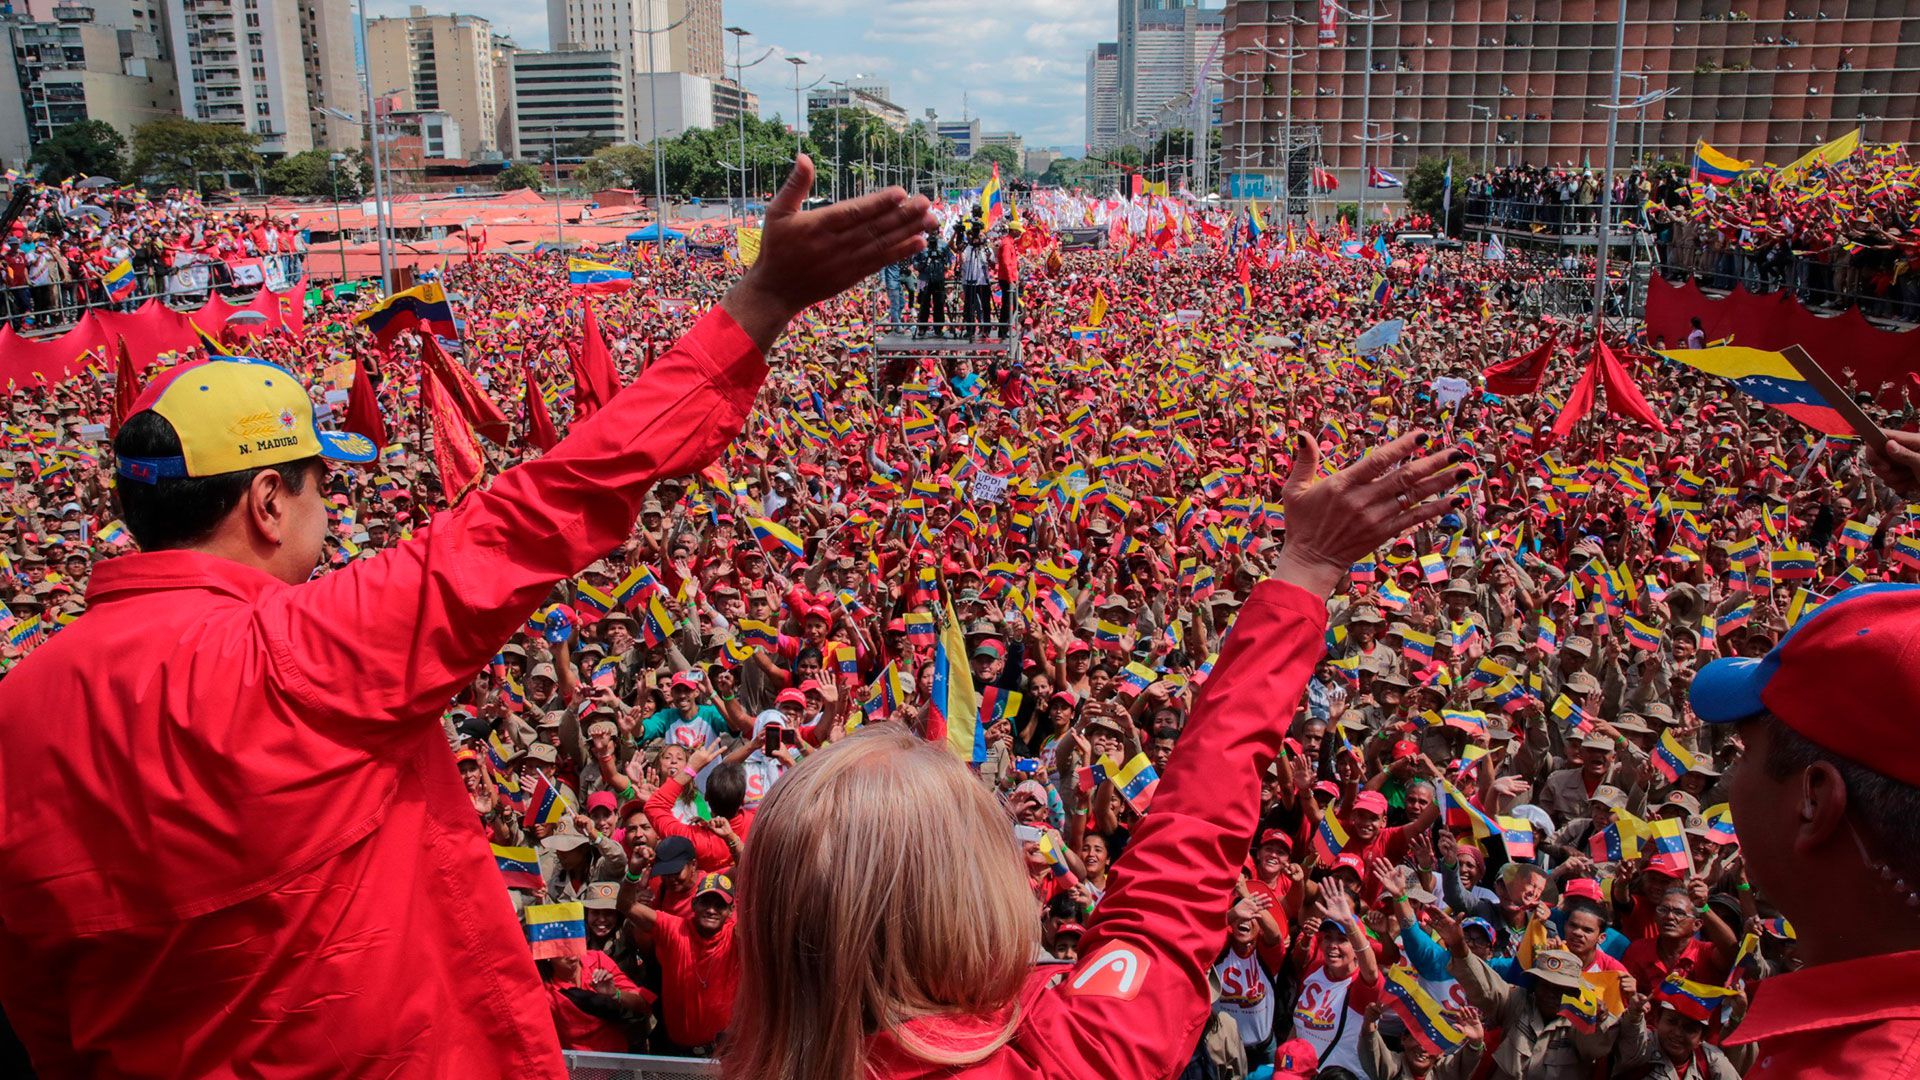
<point x="1381" y="178"/>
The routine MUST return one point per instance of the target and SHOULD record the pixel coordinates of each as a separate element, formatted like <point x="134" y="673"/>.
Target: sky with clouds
<point x="1021" y="64"/>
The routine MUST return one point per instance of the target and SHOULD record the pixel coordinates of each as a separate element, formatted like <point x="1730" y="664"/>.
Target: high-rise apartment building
<point x="695" y="43"/>
<point x="1172" y="47"/>
<point x="637" y="28"/>
<point x="864" y="95"/>
<point x="1763" y="80"/>
<point x="1103" y="96"/>
<point x="1145" y="49"/>
<point x="267" y="65"/>
<point x="441" y="63"/>
<point x="76" y="66"/>
<point x="964" y="133"/>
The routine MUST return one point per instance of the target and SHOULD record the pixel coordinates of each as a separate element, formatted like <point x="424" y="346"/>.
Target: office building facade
<point x="564" y="95"/>
<point x="444" y="64"/>
<point x="1103" y="96"/>
<point x="1764" y="81"/>
<point x="267" y="65"/>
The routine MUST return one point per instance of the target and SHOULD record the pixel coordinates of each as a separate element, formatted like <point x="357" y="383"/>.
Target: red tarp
<point x="150" y="330"/>
<point x="1777" y="320"/>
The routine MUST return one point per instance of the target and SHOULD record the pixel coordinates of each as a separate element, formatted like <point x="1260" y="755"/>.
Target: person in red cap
<point x="699" y="963"/>
<point x="1826" y="801"/>
<point x="299" y="886"/>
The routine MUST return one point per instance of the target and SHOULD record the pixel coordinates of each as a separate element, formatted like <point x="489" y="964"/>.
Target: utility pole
<point x="553" y="156"/>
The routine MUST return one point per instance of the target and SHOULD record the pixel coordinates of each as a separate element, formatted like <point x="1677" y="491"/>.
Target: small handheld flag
<point x="557" y="929"/>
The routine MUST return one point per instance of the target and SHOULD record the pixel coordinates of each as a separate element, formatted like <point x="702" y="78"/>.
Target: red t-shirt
<point x="1701" y="961"/>
<point x="697" y="979"/>
<point x="578" y="1030"/>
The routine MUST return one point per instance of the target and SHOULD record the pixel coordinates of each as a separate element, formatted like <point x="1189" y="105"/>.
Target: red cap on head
<point x="1347" y="860"/>
<point x="1585" y="888"/>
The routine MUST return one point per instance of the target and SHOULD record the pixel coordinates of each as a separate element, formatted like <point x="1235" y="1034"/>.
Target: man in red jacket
<point x="233" y="840"/>
<point x="1826" y="799"/>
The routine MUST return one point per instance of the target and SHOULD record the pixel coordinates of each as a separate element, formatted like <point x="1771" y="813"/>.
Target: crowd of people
<point x="1497" y="843"/>
<point x="64" y="245"/>
<point x="1836" y="235"/>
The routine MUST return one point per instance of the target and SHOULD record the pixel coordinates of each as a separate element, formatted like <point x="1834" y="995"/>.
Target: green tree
<point x="313" y="174"/>
<point x="585" y="146"/>
<point x="987" y="156"/>
<point x="1426" y="186"/>
<point x="519" y="175"/>
<point x="1068" y="173"/>
<point x="624" y="166"/>
<point x="178" y="152"/>
<point x="88" y="148"/>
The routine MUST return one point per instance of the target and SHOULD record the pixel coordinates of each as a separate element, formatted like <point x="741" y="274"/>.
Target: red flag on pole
<point x="1623" y="397"/>
<point x="455" y="453"/>
<point x="126" y="385"/>
<point x="594" y="379"/>
<point x="1520" y="374"/>
<point x="363" y="405"/>
<point x="540" y="431"/>
<point x="465" y="395"/>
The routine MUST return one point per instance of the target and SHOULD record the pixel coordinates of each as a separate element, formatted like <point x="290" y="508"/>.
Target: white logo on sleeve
<point x="1115" y="971"/>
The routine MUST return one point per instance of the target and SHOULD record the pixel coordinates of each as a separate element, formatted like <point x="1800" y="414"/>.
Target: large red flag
<point x="540" y="431"/>
<point x="466" y="396"/>
<point x="1623" y="397"/>
<point x="455" y="453"/>
<point x="126" y="386"/>
<point x="1520" y="374"/>
<point x="594" y="379"/>
<point x="363" y="405"/>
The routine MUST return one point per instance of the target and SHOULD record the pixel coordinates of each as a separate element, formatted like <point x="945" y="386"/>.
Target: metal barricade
<point x="587" y="1065"/>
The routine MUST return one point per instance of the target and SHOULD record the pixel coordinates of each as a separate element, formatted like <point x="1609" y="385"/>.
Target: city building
<point x="500" y="53"/>
<point x="615" y="25"/>
<point x="1171" y="48"/>
<point x="965" y="135"/>
<point x="1764" y="82"/>
<point x="1159" y="39"/>
<point x="75" y="67"/>
<point x="565" y="95"/>
<point x="267" y="65"/>
<point x="731" y="100"/>
<point x="1103" y="96"/>
<point x="1038" y="161"/>
<point x="440" y="63"/>
<point x="684" y="102"/>
<point x="695" y="43"/>
<point x="1007" y="139"/>
<point x="867" y="97"/>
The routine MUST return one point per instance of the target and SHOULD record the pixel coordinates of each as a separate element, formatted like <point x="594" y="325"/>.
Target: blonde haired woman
<point x="885" y="925"/>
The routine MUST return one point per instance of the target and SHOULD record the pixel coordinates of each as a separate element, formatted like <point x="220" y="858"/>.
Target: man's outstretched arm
<point x="395" y="636"/>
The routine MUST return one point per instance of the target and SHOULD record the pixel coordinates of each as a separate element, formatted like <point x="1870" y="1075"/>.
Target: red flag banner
<point x="363" y="406"/>
<point x="540" y="431"/>
<point x="463" y="393"/>
<point x="594" y="379"/>
<point x="455" y="453"/>
<point x="1521" y="374"/>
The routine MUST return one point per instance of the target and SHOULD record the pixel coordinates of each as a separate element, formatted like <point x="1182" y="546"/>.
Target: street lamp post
<point x="339" y="233"/>
<point x="740" y="85"/>
<point x="1366" y="110"/>
<point x="653" y="131"/>
<point x="841" y="86"/>
<point x="553" y="158"/>
<point x="798" y="63"/>
<point x="1486" y="142"/>
<point x="1606" y="182"/>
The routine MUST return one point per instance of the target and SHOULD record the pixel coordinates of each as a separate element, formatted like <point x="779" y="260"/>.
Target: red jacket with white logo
<point x="1135" y="1002"/>
<point x="232" y="840"/>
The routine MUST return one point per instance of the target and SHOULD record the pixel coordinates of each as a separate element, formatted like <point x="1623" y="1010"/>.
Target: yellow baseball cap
<point x="234" y="413"/>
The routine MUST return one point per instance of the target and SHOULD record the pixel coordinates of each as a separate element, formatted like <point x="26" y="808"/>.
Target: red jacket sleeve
<point x="1143" y="964"/>
<point x="393" y="637"/>
<point x="711" y="852"/>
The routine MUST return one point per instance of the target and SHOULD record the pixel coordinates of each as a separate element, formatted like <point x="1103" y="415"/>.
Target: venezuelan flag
<point x="1582" y="1009"/>
<point x="1642" y="636"/>
<point x="774" y="536"/>
<point x="120" y="281"/>
<point x="1425" y="1020"/>
<point x="758" y="634"/>
<point x="597" y="277"/>
<point x="1720" y="824"/>
<point x="1667" y="843"/>
<point x="1516" y="835"/>
<point x="1768" y="378"/>
<point x="953" y="709"/>
<point x="1416" y="647"/>
<point x="557" y="929"/>
<point x="1136" y="780"/>
<point x="547" y="804"/>
<point x="1330" y="839"/>
<point x="519" y="865"/>
<point x="423" y="308"/>
<point x="1255" y="226"/>
<point x="1696" y="1000"/>
<point x="1715" y="167"/>
<point x="1794" y="564"/>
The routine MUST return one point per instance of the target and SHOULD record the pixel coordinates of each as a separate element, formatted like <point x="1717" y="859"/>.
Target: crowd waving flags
<point x="1498" y="830"/>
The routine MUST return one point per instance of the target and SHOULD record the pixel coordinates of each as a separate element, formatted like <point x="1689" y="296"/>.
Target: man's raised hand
<point x="807" y="256"/>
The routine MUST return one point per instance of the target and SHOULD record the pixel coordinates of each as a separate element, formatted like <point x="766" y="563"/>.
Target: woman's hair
<point x="882" y="883"/>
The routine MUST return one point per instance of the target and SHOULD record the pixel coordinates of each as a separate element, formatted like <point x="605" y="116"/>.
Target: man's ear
<point x="266" y="505"/>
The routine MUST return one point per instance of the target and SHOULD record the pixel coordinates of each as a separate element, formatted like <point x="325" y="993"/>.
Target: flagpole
<point x="1606" y="184"/>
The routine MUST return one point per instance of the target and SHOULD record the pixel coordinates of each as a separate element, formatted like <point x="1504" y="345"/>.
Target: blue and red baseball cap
<point x="1845" y="678"/>
<point x="234" y="413"/>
